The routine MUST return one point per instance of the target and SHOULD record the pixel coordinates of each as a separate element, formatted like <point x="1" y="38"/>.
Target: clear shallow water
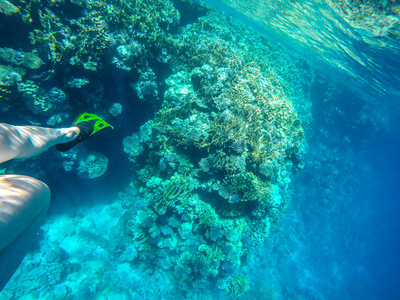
<point x="338" y="239"/>
<point x="360" y="50"/>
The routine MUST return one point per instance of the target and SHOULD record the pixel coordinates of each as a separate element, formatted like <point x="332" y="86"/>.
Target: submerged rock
<point x="94" y="165"/>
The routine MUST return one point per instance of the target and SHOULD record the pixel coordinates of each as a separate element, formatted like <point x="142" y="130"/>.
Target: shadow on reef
<point x="333" y="104"/>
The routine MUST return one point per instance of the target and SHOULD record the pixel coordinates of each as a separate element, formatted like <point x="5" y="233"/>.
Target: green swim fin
<point x="89" y="124"/>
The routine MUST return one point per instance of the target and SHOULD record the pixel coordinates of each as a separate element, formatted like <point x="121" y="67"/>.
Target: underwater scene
<point x="246" y="149"/>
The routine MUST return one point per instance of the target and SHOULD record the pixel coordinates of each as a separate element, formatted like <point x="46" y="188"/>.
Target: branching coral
<point x="237" y="286"/>
<point x="177" y="189"/>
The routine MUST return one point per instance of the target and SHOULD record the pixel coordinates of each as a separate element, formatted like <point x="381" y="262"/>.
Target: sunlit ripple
<point x="364" y="47"/>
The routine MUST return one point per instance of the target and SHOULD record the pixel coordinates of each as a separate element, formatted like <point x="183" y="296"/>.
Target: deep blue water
<point x="358" y="230"/>
<point x="364" y="230"/>
<point x="381" y="192"/>
<point x="347" y="247"/>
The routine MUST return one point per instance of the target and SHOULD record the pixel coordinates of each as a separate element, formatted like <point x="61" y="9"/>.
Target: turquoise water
<point x="244" y="163"/>
<point x="353" y="41"/>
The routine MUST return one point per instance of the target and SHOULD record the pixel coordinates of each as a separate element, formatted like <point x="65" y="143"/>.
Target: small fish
<point x="99" y="21"/>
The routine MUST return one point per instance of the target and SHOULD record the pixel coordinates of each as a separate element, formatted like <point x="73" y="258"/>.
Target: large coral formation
<point x="216" y="162"/>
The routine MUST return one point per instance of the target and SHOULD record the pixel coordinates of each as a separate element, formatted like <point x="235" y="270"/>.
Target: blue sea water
<point x="338" y="239"/>
<point x="381" y="192"/>
<point x="347" y="247"/>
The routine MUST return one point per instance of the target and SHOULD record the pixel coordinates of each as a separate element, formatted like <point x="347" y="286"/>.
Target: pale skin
<point x="28" y="141"/>
<point x="24" y="199"/>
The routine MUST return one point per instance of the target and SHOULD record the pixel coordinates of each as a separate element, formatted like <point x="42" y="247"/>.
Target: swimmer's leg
<point x="28" y="141"/>
<point x="23" y="205"/>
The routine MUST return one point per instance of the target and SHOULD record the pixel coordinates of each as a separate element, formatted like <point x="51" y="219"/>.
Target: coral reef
<point x="214" y="155"/>
<point x="215" y="162"/>
<point x="75" y="37"/>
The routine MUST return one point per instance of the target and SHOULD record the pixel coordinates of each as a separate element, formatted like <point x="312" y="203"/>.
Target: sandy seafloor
<point x="338" y="239"/>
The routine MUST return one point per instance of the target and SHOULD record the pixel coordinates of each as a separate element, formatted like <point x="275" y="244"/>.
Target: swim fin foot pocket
<point x="89" y="124"/>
